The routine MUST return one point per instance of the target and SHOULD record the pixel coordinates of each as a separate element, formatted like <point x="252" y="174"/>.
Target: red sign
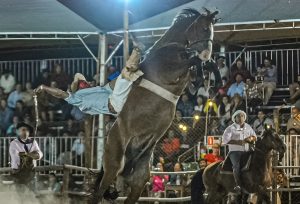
<point x="210" y="140"/>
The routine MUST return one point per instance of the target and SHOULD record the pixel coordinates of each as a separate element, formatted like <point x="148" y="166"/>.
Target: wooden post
<point x="66" y="181"/>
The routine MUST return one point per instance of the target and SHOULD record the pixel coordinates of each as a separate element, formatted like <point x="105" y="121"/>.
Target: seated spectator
<point x="237" y="103"/>
<point x="71" y="127"/>
<point x="42" y="78"/>
<point x="224" y="112"/>
<point x="223" y="69"/>
<point x="214" y="155"/>
<point x="54" y="184"/>
<point x="27" y="95"/>
<point x="175" y="179"/>
<point x="12" y="129"/>
<point x="261" y="121"/>
<point x="238" y="68"/>
<point x="158" y="181"/>
<point x="214" y="127"/>
<point x="269" y="72"/>
<point x="2" y="94"/>
<point x="197" y="186"/>
<point x="199" y="104"/>
<point x="237" y="87"/>
<point x="7" y="81"/>
<point x="54" y="103"/>
<point x="6" y="116"/>
<point x="14" y="96"/>
<point x="21" y="110"/>
<point x="61" y="78"/>
<point x="78" y="148"/>
<point x="171" y="145"/>
<point x="224" y="88"/>
<point x="185" y="106"/>
<point x="205" y="90"/>
<point x="254" y="95"/>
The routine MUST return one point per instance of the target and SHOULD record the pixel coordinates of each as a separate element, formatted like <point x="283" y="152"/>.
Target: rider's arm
<point x="227" y="135"/>
<point x="36" y="153"/>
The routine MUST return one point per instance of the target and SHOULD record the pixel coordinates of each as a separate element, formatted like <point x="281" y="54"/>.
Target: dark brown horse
<point x="150" y="107"/>
<point x="254" y="180"/>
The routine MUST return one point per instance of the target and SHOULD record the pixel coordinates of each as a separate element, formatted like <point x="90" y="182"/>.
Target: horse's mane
<point x="186" y="16"/>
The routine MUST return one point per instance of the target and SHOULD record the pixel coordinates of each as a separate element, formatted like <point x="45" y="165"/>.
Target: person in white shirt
<point x="23" y="145"/>
<point x="236" y="136"/>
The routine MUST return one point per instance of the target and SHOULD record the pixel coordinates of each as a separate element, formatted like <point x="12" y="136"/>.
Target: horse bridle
<point x="198" y="41"/>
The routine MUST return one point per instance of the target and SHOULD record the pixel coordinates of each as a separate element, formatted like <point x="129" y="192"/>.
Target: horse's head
<point x="199" y="35"/>
<point x="270" y="140"/>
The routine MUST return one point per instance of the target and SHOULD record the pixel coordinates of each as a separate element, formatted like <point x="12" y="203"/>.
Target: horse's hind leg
<point x="138" y="179"/>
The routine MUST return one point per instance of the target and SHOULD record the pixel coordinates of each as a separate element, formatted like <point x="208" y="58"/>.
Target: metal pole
<point x="101" y="130"/>
<point x="126" y="36"/>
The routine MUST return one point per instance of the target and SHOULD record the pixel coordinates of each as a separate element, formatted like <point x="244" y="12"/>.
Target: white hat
<point x="236" y="113"/>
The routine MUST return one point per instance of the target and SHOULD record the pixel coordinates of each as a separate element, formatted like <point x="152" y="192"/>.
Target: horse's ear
<point x="207" y="11"/>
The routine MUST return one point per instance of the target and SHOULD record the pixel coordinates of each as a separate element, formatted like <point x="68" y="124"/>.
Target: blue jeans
<point x="235" y="157"/>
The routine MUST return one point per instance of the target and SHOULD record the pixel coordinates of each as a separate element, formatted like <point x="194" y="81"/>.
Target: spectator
<point x="171" y="145"/>
<point x="205" y="90"/>
<point x="54" y="184"/>
<point x="14" y="97"/>
<point x="254" y="96"/>
<point x="12" y="129"/>
<point x="176" y="179"/>
<point x="237" y="87"/>
<point x="238" y="68"/>
<point x="223" y="69"/>
<point x="197" y="186"/>
<point x="158" y="181"/>
<point x="2" y="94"/>
<point x="269" y="72"/>
<point x="211" y="107"/>
<point x="224" y="111"/>
<point x="214" y="156"/>
<point x="42" y="78"/>
<point x="7" y="81"/>
<point x="61" y="78"/>
<point x="78" y="148"/>
<point x="21" y="110"/>
<point x="71" y="127"/>
<point x="185" y="105"/>
<point x="54" y="103"/>
<point x="6" y="116"/>
<point x="261" y="121"/>
<point x="237" y="103"/>
<point x="199" y="104"/>
<point x="27" y="95"/>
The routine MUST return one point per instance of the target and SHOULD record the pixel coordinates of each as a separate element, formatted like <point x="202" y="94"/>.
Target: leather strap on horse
<point x="159" y="91"/>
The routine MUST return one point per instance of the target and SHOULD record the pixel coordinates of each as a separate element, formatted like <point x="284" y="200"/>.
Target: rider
<point x="236" y="136"/>
<point x="101" y="99"/>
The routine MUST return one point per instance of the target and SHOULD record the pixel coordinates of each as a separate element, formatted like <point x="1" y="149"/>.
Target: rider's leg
<point x="124" y="81"/>
<point x="58" y="93"/>
<point x="131" y="72"/>
<point x="235" y="157"/>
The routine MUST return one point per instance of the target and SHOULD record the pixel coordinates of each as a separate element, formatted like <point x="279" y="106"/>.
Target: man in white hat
<point x="236" y="136"/>
<point x="108" y="99"/>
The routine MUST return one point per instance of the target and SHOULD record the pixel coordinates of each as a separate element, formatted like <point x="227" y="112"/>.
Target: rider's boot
<point x="237" y="189"/>
<point x="131" y="70"/>
<point x="79" y="82"/>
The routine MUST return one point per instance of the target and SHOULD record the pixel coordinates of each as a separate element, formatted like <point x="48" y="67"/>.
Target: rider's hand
<point x="39" y="89"/>
<point x="250" y="139"/>
<point x="34" y="155"/>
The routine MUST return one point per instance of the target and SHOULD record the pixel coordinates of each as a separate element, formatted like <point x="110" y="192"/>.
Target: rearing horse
<point x="150" y="107"/>
<point x="254" y="180"/>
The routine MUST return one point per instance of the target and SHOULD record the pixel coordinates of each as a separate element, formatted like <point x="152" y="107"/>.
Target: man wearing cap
<point x="236" y="136"/>
<point x="22" y="145"/>
<point x="108" y="99"/>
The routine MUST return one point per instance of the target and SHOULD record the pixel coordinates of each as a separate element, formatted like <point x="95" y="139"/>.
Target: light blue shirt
<point x="13" y="98"/>
<point x="236" y="89"/>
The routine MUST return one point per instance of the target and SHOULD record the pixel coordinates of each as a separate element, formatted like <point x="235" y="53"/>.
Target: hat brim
<point x="29" y="127"/>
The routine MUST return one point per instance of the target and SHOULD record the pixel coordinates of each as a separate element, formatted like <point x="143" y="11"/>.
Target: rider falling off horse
<point x="236" y="136"/>
<point x="108" y="99"/>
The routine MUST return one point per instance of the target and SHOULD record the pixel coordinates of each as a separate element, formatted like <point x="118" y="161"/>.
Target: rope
<point x="36" y="119"/>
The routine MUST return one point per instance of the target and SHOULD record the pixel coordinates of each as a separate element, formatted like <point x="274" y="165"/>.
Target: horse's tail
<point x="110" y="194"/>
